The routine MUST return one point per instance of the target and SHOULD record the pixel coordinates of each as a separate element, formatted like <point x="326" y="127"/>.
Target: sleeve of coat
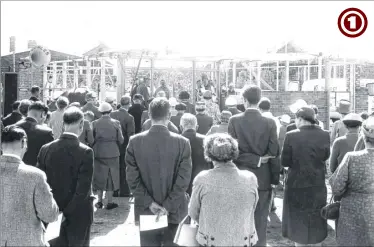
<point x="45" y="206"/>
<point x="286" y="157"/>
<point x="339" y="179"/>
<point x="273" y="146"/>
<point x="327" y="146"/>
<point x="360" y="145"/>
<point x="119" y="133"/>
<point x="40" y="159"/>
<point x="133" y="177"/>
<point x="84" y="182"/>
<point x="231" y="129"/>
<point x="334" y="156"/>
<point x="89" y="135"/>
<point x="195" y="201"/>
<point x="182" y="180"/>
<point x="130" y="127"/>
<point x="334" y="131"/>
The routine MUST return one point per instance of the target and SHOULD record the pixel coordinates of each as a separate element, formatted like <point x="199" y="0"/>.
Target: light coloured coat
<point x="26" y="201"/>
<point x="223" y="202"/>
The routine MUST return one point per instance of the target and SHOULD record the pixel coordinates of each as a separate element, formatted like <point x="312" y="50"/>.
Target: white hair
<point x="188" y="121"/>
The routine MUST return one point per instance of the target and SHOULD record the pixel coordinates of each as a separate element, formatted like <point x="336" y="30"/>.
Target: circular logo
<point x="352" y="22"/>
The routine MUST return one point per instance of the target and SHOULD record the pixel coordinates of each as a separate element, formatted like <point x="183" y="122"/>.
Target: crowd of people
<point x="177" y="159"/>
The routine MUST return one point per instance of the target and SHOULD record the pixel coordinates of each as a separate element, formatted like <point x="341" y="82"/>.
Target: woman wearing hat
<point x="353" y="181"/>
<point x="107" y="140"/>
<point x="346" y="143"/>
<point x="304" y="153"/>
<point x="224" y="199"/>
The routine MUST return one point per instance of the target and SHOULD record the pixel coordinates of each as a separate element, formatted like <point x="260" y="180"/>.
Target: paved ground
<point x="116" y="227"/>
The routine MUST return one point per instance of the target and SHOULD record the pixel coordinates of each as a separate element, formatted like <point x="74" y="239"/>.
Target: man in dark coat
<point x="304" y="153"/>
<point x="204" y="121"/>
<point x="68" y="164"/>
<point x="136" y="110"/>
<point x="159" y="175"/>
<point x="143" y="91"/>
<point x="35" y="93"/>
<point x="37" y="135"/>
<point x="181" y="109"/>
<point x="258" y="140"/>
<point x="128" y="130"/>
<point x="184" y="97"/>
<point x="90" y="105"/>
<point x="13" y="117"/>
<point x="188" y="125"/>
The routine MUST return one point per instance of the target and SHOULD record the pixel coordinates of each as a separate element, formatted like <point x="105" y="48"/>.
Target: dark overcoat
<point x="305" y="151"/>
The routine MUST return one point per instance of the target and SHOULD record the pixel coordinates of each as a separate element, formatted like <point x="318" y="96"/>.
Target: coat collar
<point x="9" y="158"/>
<point x="252" y="111"/>
<point x="159" y="128"/>
<point x="31" y="119"/>
<point x="68" y="136"/>
<point x="189" y="133"/>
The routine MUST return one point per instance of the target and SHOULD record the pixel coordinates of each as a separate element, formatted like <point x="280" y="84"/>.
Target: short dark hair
<point x="12" y="133"/>
<point x="315" y="108"/>
<point x="184" y="95"/>
<point x="73" y="115"/>
<point x="138" y="97"/>
<point x="125" y="100"/>
<point x="62" y="102"/>
<point x="15" y="105"/>
<point x="352" y="123"/>
<point x="252" y="94"/>
<point x="180" y="107"/>
<point x="39" y="106"/>
<point x="24" y="106"/>
<point x="264" y="104"/>
<point x="364" y="115"/>
<point x="159" y="109"/>
<point x="35" y="89"/>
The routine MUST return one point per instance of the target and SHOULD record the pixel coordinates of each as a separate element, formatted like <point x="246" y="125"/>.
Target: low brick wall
<point x="282" y="100"/>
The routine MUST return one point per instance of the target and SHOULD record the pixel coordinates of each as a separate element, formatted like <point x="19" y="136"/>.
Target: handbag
<point x="186" y="233"/>
<point x="331" y="210"/>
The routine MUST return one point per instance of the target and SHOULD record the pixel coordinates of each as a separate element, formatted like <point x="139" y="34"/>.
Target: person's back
<point x="127" y="124"/>
<point x="13" y="117"/>
<point x="171" y="127"/>
<point x="26" y="198"/>
<point x="205" y="122"/>
<point x="136" y="110"/>
<point x="56" y="122"/>
<point x="343" y="145"/>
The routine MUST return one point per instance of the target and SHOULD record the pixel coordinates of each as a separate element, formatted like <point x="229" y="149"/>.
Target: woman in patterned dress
<point x="354" y="182"/>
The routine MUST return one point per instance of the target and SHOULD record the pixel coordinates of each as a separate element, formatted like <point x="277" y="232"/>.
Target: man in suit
<point x="181" y="109"/>
<point x="57" y="121"/>
<point x="204" y="121"/>
<point x="136" y="110"/>
<point x="68" y="164"/>
<point x="184" y="97"/>
<point x="257" y="138"/>
<point x="35" y="93"/>
<point x="26" y="198"/>
<point x="13" y="117"/>
<point x="188" y="125"/>
<point x="128" y="130"/>
<point x="87" y="135"/>
<point x="90" y="105"/>
<point x="159" y="175"/>
<point x="37" y="135"/>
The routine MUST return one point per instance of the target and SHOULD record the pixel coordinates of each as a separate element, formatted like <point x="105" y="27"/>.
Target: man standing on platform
<point x="258" y="141"/>
<point x="68" y="164"/>
<point x="158" y="173"/>
<point x="128" y="130"/>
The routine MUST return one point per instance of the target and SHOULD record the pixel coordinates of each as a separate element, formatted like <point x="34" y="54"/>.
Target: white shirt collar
<point x="70" y="133"/>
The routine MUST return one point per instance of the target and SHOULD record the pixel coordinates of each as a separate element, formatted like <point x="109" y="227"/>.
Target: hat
<point x="225" y="116"/>
<point x="307" y="113"/>
<point x="335" y="115"/>
<point x="368" y="127"/>
<point x="173" y="101"/>
<point x="207" y="94"/>
<point x="298" y="105"/>
<point x="91" y="96"/>
<point x="105" y="107"/>
<point x="184" y="95"/>
<point x="200" y="106"/>
<point x="180" y="107"/>
<point x="109" y="99"/>
<point x="285" y="119"/>
<point x="231" y="101"/>
<point x="344" y="106"/>
<point x="352" y="117"/>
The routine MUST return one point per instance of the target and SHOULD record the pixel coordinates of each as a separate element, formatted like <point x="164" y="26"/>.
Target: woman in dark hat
<point x="304" y="153"/>
<point x="353" y="181"/>
<point x="346" y="143"/>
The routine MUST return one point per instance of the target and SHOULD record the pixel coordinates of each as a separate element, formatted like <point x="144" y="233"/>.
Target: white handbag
<point x="186" y="233"/>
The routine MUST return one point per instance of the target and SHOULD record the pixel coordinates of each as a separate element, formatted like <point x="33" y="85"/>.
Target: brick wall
<point x="362" y="103"/>
<point x="281" y="101"/>
<point x="28" y="78"/>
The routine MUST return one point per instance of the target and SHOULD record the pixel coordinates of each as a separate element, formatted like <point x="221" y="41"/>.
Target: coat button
<point x="245" y="245"/>
<point x="205" y="238"/>
<point x="251" y="236"/>
<point x="212" y="238"/>
<point x="245" y="238"/>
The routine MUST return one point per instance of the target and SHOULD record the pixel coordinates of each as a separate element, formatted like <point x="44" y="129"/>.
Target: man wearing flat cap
<point x="338" y="128"/>
<point x="305" y="151"/>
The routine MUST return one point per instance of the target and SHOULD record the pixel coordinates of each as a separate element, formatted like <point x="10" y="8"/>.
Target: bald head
<point x="188" y="121"/>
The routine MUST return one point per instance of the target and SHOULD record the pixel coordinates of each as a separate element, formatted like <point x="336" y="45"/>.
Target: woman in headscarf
<point x="346" y="143"/>
<point x="353" y="181"/>
<point x="224" y="199"/>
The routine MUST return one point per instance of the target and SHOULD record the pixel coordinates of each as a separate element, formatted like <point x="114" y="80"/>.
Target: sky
<point x="193" y="28"/>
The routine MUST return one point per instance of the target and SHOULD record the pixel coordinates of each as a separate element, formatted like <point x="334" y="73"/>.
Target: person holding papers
<point x="304" y="153"/>
<point x="258" y="141"/>
<point x="158" y="174"/>
<point x="68" y="164"/>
